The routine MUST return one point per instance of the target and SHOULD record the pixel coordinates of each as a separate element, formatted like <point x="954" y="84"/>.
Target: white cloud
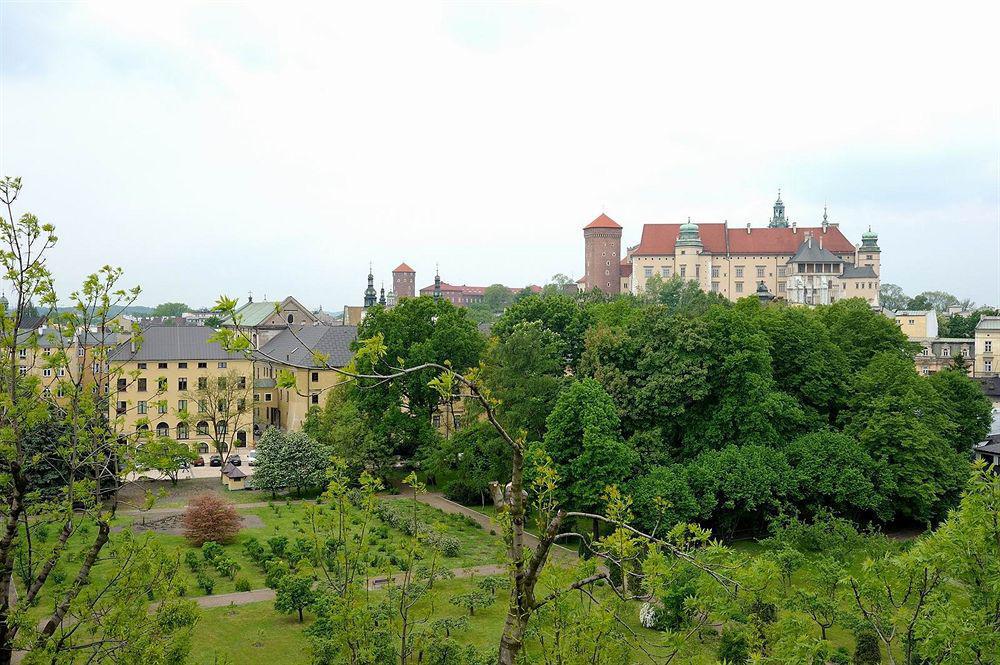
<point x="230" y="147"/>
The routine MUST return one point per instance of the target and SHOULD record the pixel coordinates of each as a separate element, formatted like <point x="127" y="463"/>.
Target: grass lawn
<point x="292" y="520"/>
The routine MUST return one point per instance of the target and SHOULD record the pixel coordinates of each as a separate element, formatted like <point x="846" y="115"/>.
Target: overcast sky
<point x="278" y="147"/>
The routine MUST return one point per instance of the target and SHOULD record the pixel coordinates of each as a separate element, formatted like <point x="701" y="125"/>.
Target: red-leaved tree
<point x="210" y="518"/>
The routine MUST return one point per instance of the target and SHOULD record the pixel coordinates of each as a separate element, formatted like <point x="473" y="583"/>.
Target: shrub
<point x="734" y="646"/>
<point x="255" y="551"/>
<point x="242" y="584"/>
<point x="449" y="545"/>
<point x="205" y="583"/>
<point x="226" y="566"/>
<point x="278" y="545"/>
<point x="192" y="560"/>
<point x="210" y="518"/>
<point x="461" y="490"/>
<point x="276" y="570"/>
<point x="212" y="551"/>
<point x="866" y="650"/>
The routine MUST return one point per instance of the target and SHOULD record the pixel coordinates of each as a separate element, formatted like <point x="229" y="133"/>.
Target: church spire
<point x="381" y="295"/>
<point x="778" y="219"/>
<point x="437" y="283"/>
<point x="370" y="294"/>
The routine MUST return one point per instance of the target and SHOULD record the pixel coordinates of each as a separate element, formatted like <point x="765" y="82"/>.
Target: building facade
<point x="805" y="265"/>
<point x="404" y="282"/>
<point x="178" y="383"/>
<point x="987" y="341"/>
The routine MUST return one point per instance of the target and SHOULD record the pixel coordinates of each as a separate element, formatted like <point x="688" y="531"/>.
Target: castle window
<point x="739" y="287"/>
<point x="715" y="287"/>
<point x="781" y="287"/>
<point x="988" y="346"/>
<point x="715" y="272"/>
<point x="760" y="271"/>
<point x="647" y="271"/>
<point x="664" y="271"/>
<point x="683" y="272"/>
<point x="781" y="271"/>
<point x="965" y="352"/>
<point x="739" y="271"/>
<point x="988" y="365"/>
<point x="946" y="352"/>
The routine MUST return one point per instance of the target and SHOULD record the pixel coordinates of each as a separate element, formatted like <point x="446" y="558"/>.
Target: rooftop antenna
<point x="249" y="296"/>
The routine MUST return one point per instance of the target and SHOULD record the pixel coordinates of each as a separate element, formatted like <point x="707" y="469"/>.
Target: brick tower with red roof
<point x="404" y="282"/>
<point x="602" y="248"/>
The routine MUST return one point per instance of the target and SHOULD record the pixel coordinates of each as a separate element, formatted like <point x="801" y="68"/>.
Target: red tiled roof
<point x="659" y="239"/>
<point x="626" y="270"/>
<point x="603" y="222"/>
<point x="785" y="241"/>
<point x="402" y="267"/>
<point x="467" y="290"/>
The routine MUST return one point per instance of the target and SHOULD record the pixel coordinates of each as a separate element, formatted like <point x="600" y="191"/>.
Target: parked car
<point x="235" y="460"/>
<point x="252" y="458"/>
<point x="198" y="461"/>
<point x="215" y="460"/>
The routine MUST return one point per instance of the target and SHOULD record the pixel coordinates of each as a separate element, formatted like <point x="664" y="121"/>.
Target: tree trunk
<point x="300" y="615"/>
<point x="512" y="640"/>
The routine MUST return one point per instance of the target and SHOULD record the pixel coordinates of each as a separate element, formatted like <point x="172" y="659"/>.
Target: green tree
<point x="294" y="594"/>
<point x="558" y="313"/>
<point x="583" y="443"/>
<point x="465" y="464"/>
<point x="937" y="300"/>
<point x="415" y="332"/>
<point x="863" y="334"/>
<point x="524" y="372"/>
<point x="892" y="296"/>
<point x="170" y="309"/>
<point x="289" y="459"/>
<point x="833" y="472"/>
<point x="898" y="416"/>
<point x="740" y="487"/>
<point x="680" y="295"/>
<point x="662" y="498"/>
<point x="341" y="427"/>
<point x="820" y="597"/>
<point x="968" y="408"/>
<point x="165" y="455"/>
<point x="109" y="613"/>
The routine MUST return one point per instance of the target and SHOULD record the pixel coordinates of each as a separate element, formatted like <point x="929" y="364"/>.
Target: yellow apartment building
<point x="305" y="351"/>
<point x="987" y="346"/>
<point x="164" y="381"/>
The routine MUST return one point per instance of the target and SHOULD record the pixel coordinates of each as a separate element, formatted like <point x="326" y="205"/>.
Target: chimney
<point x="748" y="228"/>
<point x="821" y="240"/>
<point x="793" y="227"/>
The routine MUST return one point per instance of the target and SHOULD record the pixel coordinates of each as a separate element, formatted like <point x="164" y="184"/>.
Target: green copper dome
<point x="869" y="240"/>
<point x="689" y="234"/>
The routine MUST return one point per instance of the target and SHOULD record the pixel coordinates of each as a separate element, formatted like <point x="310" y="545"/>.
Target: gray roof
<point x="989" y="323"/>
<point x="175" y="343"/>
<point x="811" y="252"/>
<point x="858" y="271"/>
<point x="916" y="312"/>
<point x="297" y="345"/>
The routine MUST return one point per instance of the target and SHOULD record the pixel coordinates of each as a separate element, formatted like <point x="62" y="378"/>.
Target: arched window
<point x="203" y="448"/>
<point x="182" y="431"/>
<point x="142" y="428"/>
<point x="241" y="439"/>
<point x="162" y="429"/>
<point x="202" y="427"/>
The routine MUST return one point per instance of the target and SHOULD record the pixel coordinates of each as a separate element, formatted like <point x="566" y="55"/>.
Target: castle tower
<point x="778" y="219"/>
<point x="404" y="281"/>
<point x="602" y="250"/>
<point x="370" y="294"/>
<point x="381" y="296"/>
<point x="869" y="253"/>
<point x="437" y="285"/>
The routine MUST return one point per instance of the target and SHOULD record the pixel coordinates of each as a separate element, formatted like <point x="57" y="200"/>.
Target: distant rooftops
<point x="720" y="238"/>
<point x="467" y="290"/>
<point x="402" y="267"/>
<point x="603" y="222"/>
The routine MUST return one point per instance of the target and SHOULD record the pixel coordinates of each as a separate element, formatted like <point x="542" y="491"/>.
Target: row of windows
<point x="183" y="365"/>
<point x="665" y="271"/>
<point x="142" y="407"/>
<point x="945" y="352"/>
<point x="182" y="383"/>
<point x="201" y="429"/>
